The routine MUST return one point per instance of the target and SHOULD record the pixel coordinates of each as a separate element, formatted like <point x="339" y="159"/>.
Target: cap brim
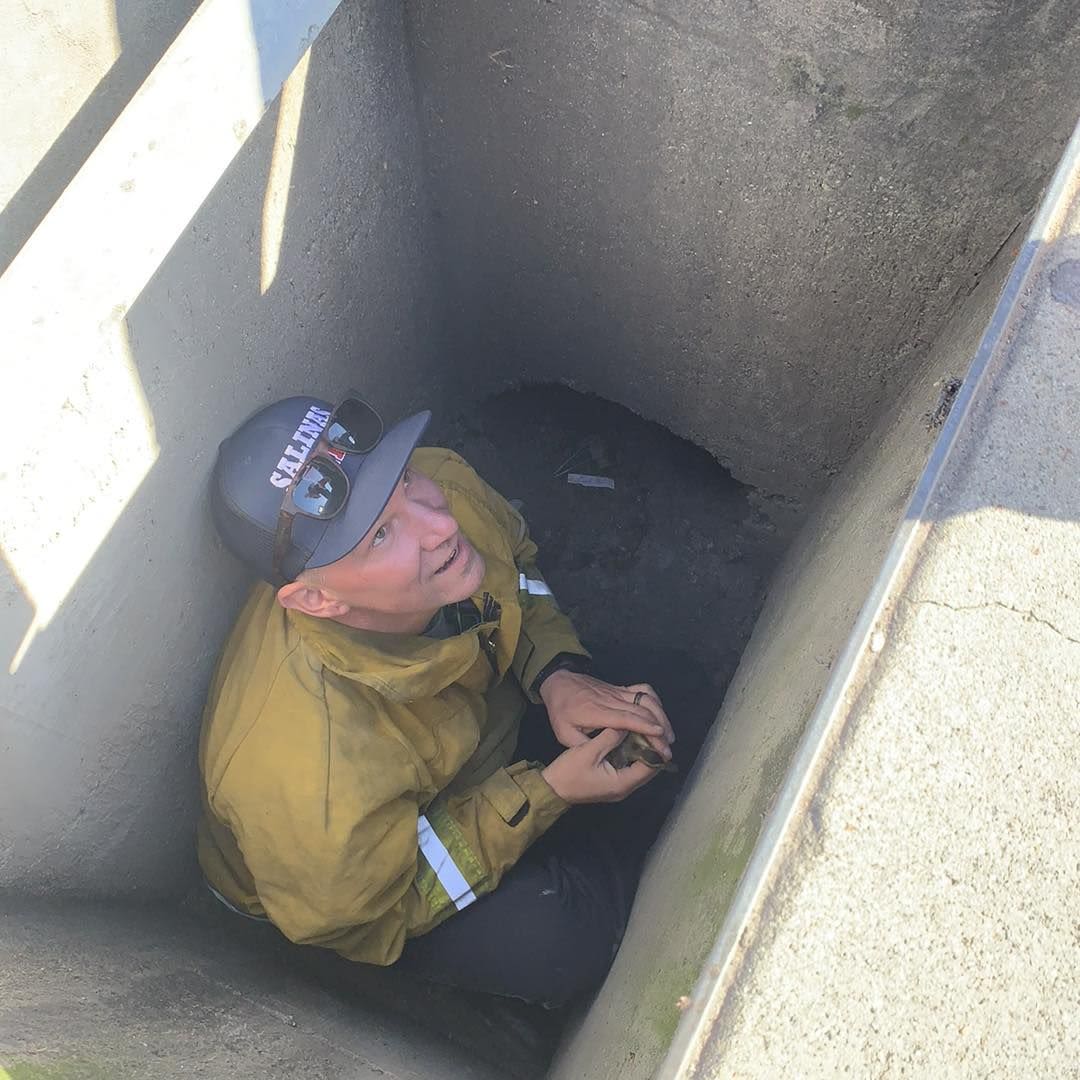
<point x="370" y="490"/>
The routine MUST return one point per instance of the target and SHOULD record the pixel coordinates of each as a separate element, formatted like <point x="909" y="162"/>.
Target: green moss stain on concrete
<point x="660" y="1006"/>
<point x="701" y="896"/>
<point x="701" y="900"/>
<point x="776" y="765"/>
<point x="713" y="876"/>
<point x="854" y="111"/>
<point x="63" y="1069"/>
<point x="710" y="882"/>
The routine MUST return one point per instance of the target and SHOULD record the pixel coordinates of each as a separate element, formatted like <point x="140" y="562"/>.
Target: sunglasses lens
<point x="321" y="489"/>
<point x="355" y="426"/>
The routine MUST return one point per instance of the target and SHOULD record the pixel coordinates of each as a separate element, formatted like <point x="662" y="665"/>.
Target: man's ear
<point x="299" y="596"/>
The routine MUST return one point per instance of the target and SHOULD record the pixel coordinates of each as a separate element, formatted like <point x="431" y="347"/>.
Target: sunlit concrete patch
<point x="79" y="466"/>
<point x="16" y="613"/>
<point x="81" y="43"/>
<point x="75" y="416"/>
<point x="926" y="925"/>
<point x="276" y="200"/>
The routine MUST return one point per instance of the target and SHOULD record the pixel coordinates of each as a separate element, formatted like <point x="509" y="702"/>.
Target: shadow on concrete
<point x="1039" y="483"/>
<point x="713" y="212"/>
<point x="145" y="30"/>
<point x="17" y="612"/>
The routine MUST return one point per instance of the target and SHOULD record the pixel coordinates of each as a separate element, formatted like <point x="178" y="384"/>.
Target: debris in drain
<point x="592" y="447"/>
<point x="585" y="480"/>
<point x="949" y="390"/>
<point x="575" y="456"/>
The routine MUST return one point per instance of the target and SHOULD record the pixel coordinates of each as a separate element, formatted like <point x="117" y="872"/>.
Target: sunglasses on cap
<point x="320" y="488"/>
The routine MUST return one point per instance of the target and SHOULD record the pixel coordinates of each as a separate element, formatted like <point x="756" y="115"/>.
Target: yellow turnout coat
<point x="358" y="787"/>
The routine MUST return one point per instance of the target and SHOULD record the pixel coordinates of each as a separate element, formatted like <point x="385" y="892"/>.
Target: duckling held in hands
<point x="636" y="747"/>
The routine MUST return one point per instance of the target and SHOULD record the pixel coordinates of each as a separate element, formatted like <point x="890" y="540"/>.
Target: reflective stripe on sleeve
<point x="232" y="907"/>
<point x="446" y="870"/>
<point x="533" y="586"/>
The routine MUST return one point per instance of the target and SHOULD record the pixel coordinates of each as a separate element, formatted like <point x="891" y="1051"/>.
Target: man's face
<point x="412" y="561"/>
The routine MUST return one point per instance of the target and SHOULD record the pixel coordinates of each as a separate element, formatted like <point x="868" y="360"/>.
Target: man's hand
<point x="578" y="705"/>
<point x="582" y="775"/>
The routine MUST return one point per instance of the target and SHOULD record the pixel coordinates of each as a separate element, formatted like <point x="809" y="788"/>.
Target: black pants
<point x="551" y="929"/>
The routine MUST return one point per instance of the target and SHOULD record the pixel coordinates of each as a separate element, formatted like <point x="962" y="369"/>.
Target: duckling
<point x="636" y="747"/>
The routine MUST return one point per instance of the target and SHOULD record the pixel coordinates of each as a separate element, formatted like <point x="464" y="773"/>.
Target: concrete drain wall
<point x="780" y="234"/>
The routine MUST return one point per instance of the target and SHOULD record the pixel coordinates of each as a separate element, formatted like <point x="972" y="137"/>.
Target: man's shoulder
<point x="444" y="465"/>
<point x="460" y="482"/>
<point x="264" y="673"/>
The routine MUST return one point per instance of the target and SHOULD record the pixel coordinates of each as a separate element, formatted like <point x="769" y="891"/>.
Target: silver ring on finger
<point x="638" y="696"/>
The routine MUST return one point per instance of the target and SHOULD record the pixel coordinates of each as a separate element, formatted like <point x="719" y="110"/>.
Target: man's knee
<point x="547" y="934"/>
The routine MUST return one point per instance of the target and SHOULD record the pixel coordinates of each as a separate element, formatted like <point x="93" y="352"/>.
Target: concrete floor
<point x="108" y="992"/>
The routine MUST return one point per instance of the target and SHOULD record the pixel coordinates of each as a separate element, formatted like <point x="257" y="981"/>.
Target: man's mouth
<point x="450" y="561"/>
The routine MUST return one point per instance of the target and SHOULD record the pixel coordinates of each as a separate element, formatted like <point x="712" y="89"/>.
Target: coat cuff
<point x="543" y="806"/>
<point x="563" y="661"/>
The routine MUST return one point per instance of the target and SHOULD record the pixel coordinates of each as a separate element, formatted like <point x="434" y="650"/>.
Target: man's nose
<point x="435" y="524"/>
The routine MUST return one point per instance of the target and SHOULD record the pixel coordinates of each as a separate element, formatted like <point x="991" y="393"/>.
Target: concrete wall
<point x="694" y="213"/>
<point x="69" y="70"/>
<point x="914" y="911"/>
<point x="138" y="333"/>
<point x="812" y="605"/>
<point x="746" y="221"/>
<point x="748" y="224"/>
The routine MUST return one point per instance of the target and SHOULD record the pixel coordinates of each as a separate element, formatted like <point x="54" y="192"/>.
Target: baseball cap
<point x="246" y="491"/>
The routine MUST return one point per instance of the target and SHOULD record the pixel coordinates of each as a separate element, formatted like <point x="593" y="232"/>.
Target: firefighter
<point x="403" y="733"/>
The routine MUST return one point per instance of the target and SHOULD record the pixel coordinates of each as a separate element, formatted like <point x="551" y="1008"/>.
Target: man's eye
<point x="406" y="478"/>
<point x="380" y="536"/>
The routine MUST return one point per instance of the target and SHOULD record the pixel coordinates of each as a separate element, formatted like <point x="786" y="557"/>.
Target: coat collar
<point x="407" y="667"/>
<point x="401" y="667"/>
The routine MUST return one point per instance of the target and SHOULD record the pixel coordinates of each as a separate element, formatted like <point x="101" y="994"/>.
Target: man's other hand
<point x="578" y="705"/>
<point x="583" y="775"/>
